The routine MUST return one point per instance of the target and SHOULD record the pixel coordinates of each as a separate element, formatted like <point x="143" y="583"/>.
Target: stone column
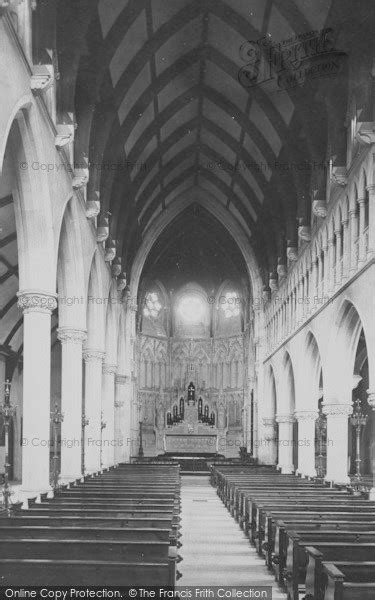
<point x="371" y="219"/>
<point x="314" y="285"/>
<point x="267" y="444"/>
<point x="371" y="401"/>
<point x="325" y="268"/>
<point x="93" y="406"/>
<point x="353" y="216"/>
<point x="71" y="402"/>
<point x="346" y="255"/>
<point x="108" y="411"/>
<point x="319" y="289"/>
<point x="362" y="241"/>
<point x="339" y="262"/>
<point x="132" y="308"/>
<point x="306" y="442"/>
<point x="331" y="271"/>
<point x="337" y="441"/>
<point x="285" y="443"/>
<point x="120" y="448"/>
<point x="127" y="420"/>
<point x="37" y="309"/>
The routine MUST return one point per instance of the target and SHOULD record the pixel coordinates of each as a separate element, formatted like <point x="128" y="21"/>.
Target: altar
<point x="191" y="443"/>
<point x="192" y="430"/>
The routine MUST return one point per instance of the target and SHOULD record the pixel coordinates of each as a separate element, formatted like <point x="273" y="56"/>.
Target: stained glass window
<point x="230" y="304"/>
<point x="152" y="305"/>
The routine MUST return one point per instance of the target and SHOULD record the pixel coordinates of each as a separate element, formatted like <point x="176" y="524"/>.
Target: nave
<point x="215" y="550"/>
<point x="187" y="267"/>
<point x="145" y="525"/>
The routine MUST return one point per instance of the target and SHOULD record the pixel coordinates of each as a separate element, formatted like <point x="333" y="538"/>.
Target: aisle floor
<point x="215" y="550"/>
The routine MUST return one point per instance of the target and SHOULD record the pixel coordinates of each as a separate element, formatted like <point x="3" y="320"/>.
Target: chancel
<point x="187" y="273"/>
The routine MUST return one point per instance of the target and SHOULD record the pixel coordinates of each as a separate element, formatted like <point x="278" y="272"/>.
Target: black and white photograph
<point x="187" y="299"/>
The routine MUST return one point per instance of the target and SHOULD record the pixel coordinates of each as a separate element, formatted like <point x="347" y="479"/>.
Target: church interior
<point x="187" y="276"/>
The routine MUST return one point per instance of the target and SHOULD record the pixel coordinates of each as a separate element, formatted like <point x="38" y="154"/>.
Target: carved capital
<point x="371" y="399"/>
<point x="93" y="355"/>
<point x="292" y="253"/>
<point x="122" y="379"/>
<point x="282" y="270"/>
<point x="132" y="305"/>
<point x="121" y="282"/>
<point x="116" y="267"/>
<point x="80" y="179"/>
<point x="110" y="254"/>
<point x="36" y="302"/>
<point x="72" y="336"/>
<point x="366" y="133"/>
<point x="269" y="422"/>
<point x="118" y="403"/>
<point x="306" y="415"/>
<point x="319" y="208"/>
<point x="340" y="176"/>
<point x="337" y="410"/>
<point x="62" y="140"/>
<point x="285" y="418"/>
<point x="92" y="209"/>
<point x="41" y="79"/>
<point x="304" y="233"/>
<point x="273" y="283"/>
<point x="102" y="234"/>
<point x="102" y="231"/>
<point x="109" y="369"/>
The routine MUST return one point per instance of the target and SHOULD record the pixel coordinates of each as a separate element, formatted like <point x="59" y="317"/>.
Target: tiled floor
<point x="215" y="550"/>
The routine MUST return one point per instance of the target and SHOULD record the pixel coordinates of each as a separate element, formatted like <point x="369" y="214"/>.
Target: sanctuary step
<point x="195" y="463"/>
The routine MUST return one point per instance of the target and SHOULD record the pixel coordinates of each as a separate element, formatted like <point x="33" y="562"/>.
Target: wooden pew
<point x="275" y="531"/>
<point x="25" y="519"/>
<point x="119" y="528"/>
<point x="349" y="581"/>
<point x="258" y="516"/>
<point x="84" y="533"/>
<point x="253" y="498"/>
<point x="304" y="570"/>
<point x="38" y="572"/>
<point x="86" y="549"/>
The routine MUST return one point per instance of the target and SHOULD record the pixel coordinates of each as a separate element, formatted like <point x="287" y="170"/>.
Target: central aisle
<point x="215" y="550"/>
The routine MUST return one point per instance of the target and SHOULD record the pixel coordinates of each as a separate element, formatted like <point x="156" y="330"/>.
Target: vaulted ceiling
<point x="195" y="247"/>
<point x="160" y="107"/>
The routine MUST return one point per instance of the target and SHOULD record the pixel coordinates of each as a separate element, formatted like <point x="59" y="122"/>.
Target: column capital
<point x="306" y="415"/>
<point x="371" y="189"/>
<point x="371" y="398"/>
<point x="132" y="304"/>
<point x="36" y="301"/>
<point x="74" y="336"/>
<point x="109" y="369"/>
<point x="119" y="403"/>
<point x="337" y="409"/>
<point x="122" y="379"/>
<point x="268" y="422"/>
<point x="93" y="355"/>
<point x="285" y="418"/>
<point x="319" y="208"/>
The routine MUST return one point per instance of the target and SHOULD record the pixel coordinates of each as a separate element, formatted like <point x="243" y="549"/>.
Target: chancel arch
<point x="206" y="343"/>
